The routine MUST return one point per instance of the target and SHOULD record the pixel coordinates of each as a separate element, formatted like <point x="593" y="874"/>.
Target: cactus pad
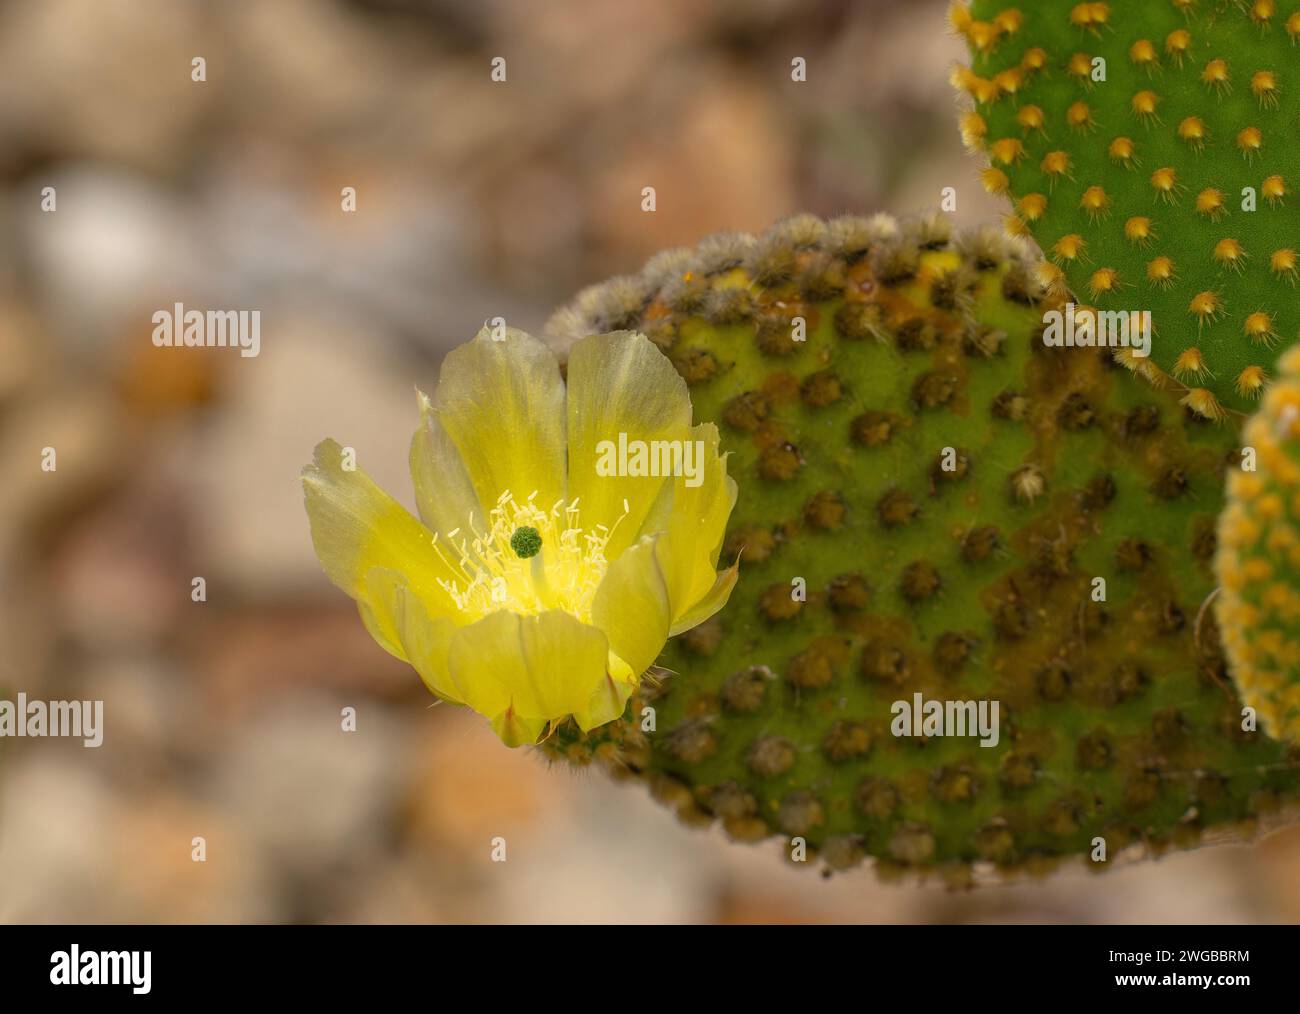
<point x="927" y="495"/>
<point x="1259" y="561"/>
<point x="1150" y="149"/>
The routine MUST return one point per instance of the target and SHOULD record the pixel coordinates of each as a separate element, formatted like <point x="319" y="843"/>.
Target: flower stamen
<point x="505" y="567"/>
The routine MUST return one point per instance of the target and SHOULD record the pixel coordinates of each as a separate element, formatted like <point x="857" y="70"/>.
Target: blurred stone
<point x="119" y="247"/>
<point x="719" y="163"/>
<point x="468" y="788"/>
<point x="20" y="340"/>
<point x="56" y="855"/>
<point x="244" y="658"/>
<point x="1277" y="858"/>
<point x="73" y="850"/>
<point x="118" y="575"/>
<point x="158" y="880"/>
<point x="151" y="711"/>
<point x="313" y="797"/>
<point x="338" y="73"/>
<point x="109" y="80"/>
<point x="315" y="378"/>
<point x="396" y="891"/>
<point x="400" y="267"/>
<point x="615" y="858"/>
<point x="85" y="429"/>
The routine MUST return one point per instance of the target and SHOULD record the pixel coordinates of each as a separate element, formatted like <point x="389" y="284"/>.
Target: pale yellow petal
<point x="609" y="700"/>
<point x="397" y="619"/>
<point x="501" y="403"/>
<point x="713" y="600"/>
<point x="514" y="730"/>
<point x="356" y="526"/>
<point x="444" y="493"/>
<point x="620" y="383"/>
<point x="695" y="526"/>
<point x="632" y="607"/>
<point x="525" y="671"/>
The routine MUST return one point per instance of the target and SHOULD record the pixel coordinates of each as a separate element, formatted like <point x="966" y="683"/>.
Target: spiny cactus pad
<point x="1153" y="150"/>
<point x="1259" y="560"/>
<point x="948" y="489"/>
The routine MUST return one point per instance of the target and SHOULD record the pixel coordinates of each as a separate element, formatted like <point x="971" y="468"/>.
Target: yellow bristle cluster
<point x="1205" y="307"/>
<point x="995" y="180"/>
<point x="1217" y="76"/>
<point x="1069" y="247"/>
<point x="1031" y="117"/>
<point x="1009" y="81"/>
<point x="1251" y="382"/>
<point x="1009" y="21"/>
<point x="1079" y="67"/>
<point x="1056" y="164"/>
<point x="1190" y="363"/>
<point x="1283" y="264"/>
<point x="1165" y="183"/>
<point x="984" y="36"/>
<point x="1178" y="43"/>
<point x="1138" y="230"/>
<point x="1262" y="12"/>
<point x="1079" y="116"/>
<point x="1091" y="16"/>
<point x="1160" y="271"/>
<point x="1204" y="403"/>
<point x="1249" y="141"/>
<point x="1032" y="207"/>
<point x="1192" y="130"/>
<point x="1124" y="151"/>
<point x="1007" y="150"/>
<point x="1210" y="203"/>
<point x="1095" y="202"/>
<point x="1144" y="105"/>
<point x="1103" y="281"/>
<point x="1264" y="85"/>
<point x="1259" y="328"/>
<point x="1034" y="59"/>
<point x="974" y="129"/>
<point x="1229" y="253"/>
<point x="1143" y="53"/>
<point x="1014" y="225"/>
<point x="1050" y="277"/>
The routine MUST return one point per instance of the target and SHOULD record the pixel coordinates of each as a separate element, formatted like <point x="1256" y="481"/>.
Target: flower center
<point x="526" y="542"/>
<point x="528" y="560"/>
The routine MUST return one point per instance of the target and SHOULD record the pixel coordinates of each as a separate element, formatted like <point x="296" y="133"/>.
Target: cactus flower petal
<point x="544" y="574"/>
<point x="632" y="605"/>
<point x="525" y="671"/>
<point x="714" y="599"/>
<point x="621" y="384"/>
<point x="501" y="404"/>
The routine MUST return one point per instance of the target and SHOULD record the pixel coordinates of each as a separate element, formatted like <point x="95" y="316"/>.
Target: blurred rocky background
<point x="475" y="199"/>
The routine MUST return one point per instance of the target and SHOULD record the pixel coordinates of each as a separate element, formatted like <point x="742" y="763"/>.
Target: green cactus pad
<point x="946" y="488"/>
<point x="1153" y="150"/>
<point x="1259" y="560"/>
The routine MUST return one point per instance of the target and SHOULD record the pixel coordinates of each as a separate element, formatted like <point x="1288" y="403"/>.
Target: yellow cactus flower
<point x="564" y="535"/>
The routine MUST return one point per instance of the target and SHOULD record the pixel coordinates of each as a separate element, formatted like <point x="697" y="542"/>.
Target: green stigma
<point x="526" y="542"/>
